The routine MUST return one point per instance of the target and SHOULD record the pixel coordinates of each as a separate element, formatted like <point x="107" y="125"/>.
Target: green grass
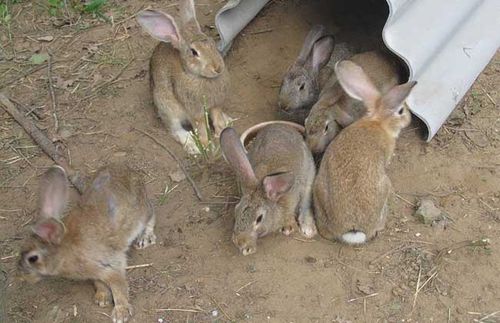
<point x="163" y="197"/>
<point x="211" y="151"/>
<point x="94" y="7"/>
<point x="6" y="16"/>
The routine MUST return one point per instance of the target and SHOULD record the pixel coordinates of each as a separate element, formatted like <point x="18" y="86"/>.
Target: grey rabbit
<point x="311" y="70"/>
<point x="275" y="179"/>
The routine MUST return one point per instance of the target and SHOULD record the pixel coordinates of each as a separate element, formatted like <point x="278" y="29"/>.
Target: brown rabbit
<point x="92" y="240"/>
<point x="352" y="189"/>
<point x="335" y="109"/>
<point x="276" y="181"/>
<point x="188" y="75"/>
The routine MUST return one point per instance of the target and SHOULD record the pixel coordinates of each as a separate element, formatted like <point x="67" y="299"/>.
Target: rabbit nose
<point x="217" y="69"/>
<point x="248" y="251"/>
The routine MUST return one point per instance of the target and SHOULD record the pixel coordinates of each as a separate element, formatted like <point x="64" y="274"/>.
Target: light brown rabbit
<point x="335" y="109"/>
<point x="276" y="181"/>
<point x="188" y="75"/>
<point x="352" y="189"/>
<point x="92" y="240"/>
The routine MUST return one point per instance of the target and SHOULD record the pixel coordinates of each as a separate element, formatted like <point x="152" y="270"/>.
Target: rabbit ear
<point x="236" y="157"/>
<point x="316" y="32"/>
<point x="160" y="26"/>
<point x="393" y="99"/>
<point x="356" y="83"/>
<point x="321" y="52"/>
<point x="277" y="185"/>
<point x="101" y="179"/>
<point x="53" y="192"/>
<point x="188" y="13"/>
<point x="49" y="230"/>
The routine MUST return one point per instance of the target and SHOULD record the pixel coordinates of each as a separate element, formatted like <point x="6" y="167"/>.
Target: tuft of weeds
<point x="92" y="7"/>
<point x="211" y="151"/>
<point x="55" y="7"/>
<point x="166" y="192"/>
<point x="6" y="16"/>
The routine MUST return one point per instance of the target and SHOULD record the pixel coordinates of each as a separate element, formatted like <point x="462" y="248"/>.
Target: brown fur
<point x="352" y="189"/>
<point x="95" y="236"/>
<point x="279" y="155"/>
<point x="335" y="110"/>
<point x="184" y="84"/>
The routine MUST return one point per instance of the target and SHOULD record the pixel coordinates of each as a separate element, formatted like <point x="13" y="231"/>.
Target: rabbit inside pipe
<point x="91" y="242"/>
<point x="188" y="76"/>
<point x="276" y="180"/>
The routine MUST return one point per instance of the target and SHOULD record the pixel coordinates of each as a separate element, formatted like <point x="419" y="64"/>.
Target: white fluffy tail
<point x="354" y="237"/>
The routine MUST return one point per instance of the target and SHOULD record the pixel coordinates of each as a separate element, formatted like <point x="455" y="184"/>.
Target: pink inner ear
<point x="159" y="25"/>
<point x="48" y="231"/>
<point x="276" y="185"/>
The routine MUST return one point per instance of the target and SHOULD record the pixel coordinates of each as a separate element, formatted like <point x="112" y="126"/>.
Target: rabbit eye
<point x="400" y="112"/>
<point x="194" y="52"/>
<point x="327" y="126"/>
<point x="33" y="259"/>
<point x="301" y="87"/>
<point x="259" y="219"/>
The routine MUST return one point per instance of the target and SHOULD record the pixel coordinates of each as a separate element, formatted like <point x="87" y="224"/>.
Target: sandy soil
<point x="194" y="267"/>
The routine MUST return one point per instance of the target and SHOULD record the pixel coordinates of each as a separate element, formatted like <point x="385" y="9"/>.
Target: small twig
<point x="302" y="240"/>
<point x="45" y="144"/>
<point x="362" y="297"/>
<point x="467" y="243"/>
<point x="405" y="200"/>
<point x="177" y="310"/>
<point x="261" y="31"/>
<point x="105" y="83"/>
<point x="23" y="75"/>
<point x="221" y="309"/>
<point x="487" y="317"/>
<point x="52" y="93"/>
<point x="417" y="289"/>
<point x="244" y="286"/>
<point x="139" y="266"/>
<point x="8" y="257"/>
<point x="177" y="160"/>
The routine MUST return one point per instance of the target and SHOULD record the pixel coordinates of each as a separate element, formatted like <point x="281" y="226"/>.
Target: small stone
<point x="206" y="209"/>
<point x="364" y="286"/>
<point x="65" y="132"/>
<point x="428" y="213"/>
<point x="177" y="175"/>
<point x="418" y="234"/>
<point x="251" y="268"/>
<point x="160" y="320"/>
<point x="215" y="313"/>
<point x="310" y="259"/>
<point x="45" y="38"/>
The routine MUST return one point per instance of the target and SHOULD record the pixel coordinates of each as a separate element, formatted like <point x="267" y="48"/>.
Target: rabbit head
<point x="197" y="51"/>
<point x="38" y="256"/>
<point x="388" y="109"/>
<point x="300" y="87"/>
<point x="258" y="212"/>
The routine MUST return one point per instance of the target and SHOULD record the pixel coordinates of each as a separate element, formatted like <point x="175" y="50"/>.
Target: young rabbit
<point x="352" y="189"/>
<point x="276" y="181"/>
<point x="92" y="240"/>
<point x="188" y="75"/>
<point x="335" y="109"/>
<point x="307" y="75"/>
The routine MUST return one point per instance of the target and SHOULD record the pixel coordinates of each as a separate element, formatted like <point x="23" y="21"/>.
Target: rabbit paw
<point x="287" y="230"/>
<point x="220" y="121"/>
<point x="308" y="227"/>
<point x="121" y="313"/>
<point x="145" y="240"/>
<point x="103" y="298"/>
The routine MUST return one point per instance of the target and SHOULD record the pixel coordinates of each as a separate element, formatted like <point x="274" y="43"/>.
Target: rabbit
<point x="92" y="240"/>
<point x="275" y="180"/>
<point x="352" y="189"/>
<point x="187" y="76"/>
<point x="335" y="110"/>
<point x="305" y="78"/>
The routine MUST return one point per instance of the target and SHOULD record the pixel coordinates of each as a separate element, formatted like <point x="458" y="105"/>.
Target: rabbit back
<point x="352" y="188"/>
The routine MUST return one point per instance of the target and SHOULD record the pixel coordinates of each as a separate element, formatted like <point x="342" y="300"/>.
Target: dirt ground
<point x="194" y="273"/>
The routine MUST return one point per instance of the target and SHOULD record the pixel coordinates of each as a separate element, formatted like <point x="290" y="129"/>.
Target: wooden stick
<point x="41" y="139"/>
<point x="177" y="160"/>
<point x="52" y="94"/>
